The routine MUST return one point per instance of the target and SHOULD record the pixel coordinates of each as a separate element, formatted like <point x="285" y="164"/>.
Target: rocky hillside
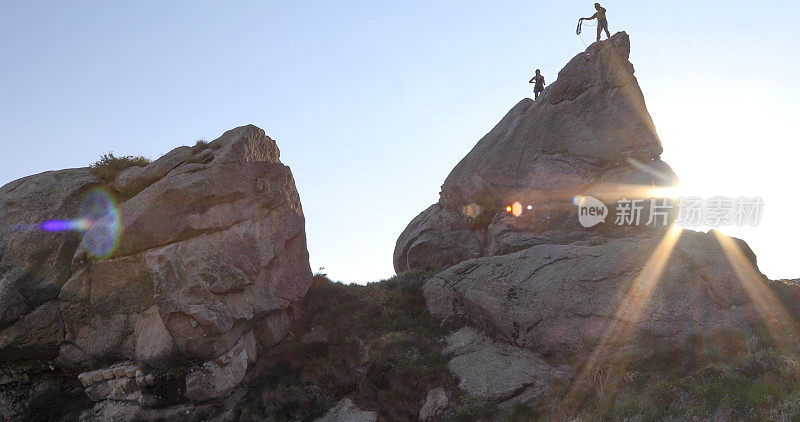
<point x="180" y="289"/>
<point x="544" y="302"/>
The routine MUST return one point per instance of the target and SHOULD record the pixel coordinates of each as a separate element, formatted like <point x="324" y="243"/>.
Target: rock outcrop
<point x="347" y="411"/>
<point x="589" y="133"/>
<point x="434" y="405"/>
<point x="498" y="371"/>
<point x="560" y="300"/>
<point x="34" y="264"/>
<point x="537" y="296"/>
<point x="209" y="255"/>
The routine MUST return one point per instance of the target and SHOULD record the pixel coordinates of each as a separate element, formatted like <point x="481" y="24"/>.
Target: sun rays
<point x="780" y="325"/>
<point x="631" y="308"/>
<point x="636" y="300"/>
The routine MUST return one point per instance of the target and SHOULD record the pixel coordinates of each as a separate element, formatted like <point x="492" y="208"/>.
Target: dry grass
<point x="200" y="146"/>
<point x="727" y="376"/>
<point x="109" y="166"/>
<point x="382" y="350"/>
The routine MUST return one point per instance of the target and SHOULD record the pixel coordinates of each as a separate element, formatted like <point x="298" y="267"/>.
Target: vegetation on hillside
<point x="727" y="376"/>
<point x="381" y="348"/>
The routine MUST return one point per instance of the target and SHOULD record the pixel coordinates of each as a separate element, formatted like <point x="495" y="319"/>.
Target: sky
<point x="372" y="103"/>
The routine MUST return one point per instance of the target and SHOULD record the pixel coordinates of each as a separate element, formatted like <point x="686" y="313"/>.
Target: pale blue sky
<point x="373" y="102"/>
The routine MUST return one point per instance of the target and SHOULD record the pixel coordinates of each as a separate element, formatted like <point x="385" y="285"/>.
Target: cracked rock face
<point x="561" y="300"/>
<point x="34" y="264"/>
<point x="212" y="252"/>
<point x="497" y="371"/>
<point x="589" y="133"/>
<point x="209" y="251"/>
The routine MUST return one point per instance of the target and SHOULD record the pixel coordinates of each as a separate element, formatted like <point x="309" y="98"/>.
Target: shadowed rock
<point x="498" y="371"/>
<point x="34" y="263"/>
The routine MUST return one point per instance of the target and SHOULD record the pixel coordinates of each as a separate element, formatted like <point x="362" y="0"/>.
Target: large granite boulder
<point x="497" y="371"/>
<point x="564" y="300"/>
<point x="589" y="133"/>
<point x="535" y="296"/>
<point x="209" y="255"/>
<point x="216" y="245"/>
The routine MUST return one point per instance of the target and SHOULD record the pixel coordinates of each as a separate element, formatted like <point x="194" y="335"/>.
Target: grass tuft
<point x="109" y="165"/>
<point x="199" y="147"/>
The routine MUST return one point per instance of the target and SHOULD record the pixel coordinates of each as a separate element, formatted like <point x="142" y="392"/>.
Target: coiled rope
<point x="578" y="31"/>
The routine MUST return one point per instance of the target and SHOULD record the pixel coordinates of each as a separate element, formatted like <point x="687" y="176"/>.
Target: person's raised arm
<point x="588" y="19"/>
<point x="531" y="81"/>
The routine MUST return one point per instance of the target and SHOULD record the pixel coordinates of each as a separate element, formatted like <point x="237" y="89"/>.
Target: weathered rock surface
<point x="210" y="255"/>
<point x="34" y="263"/>
<point x="219" y="377"/>
<point x="347" y="411"/>
<point x="435" y="403"/>
<point x="134" y="179"/>
<point x="497" y="371"/>
<point x="589" y="133"/>
<point x="215" y="247"/>
<point x="563" y="300"/>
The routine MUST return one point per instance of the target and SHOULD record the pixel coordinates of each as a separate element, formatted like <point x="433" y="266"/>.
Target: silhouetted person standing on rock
<point x="602" y="23"/>
<point x="538" y="80"/>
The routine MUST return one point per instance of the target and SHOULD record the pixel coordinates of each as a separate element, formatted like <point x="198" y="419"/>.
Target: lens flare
<point x="576" y="200"/>
<point x="79" y="225"/>
<point x="631" y="309"/>
<point x="472" y="210"/>
<point x="102" y="236"/>
<point x="99" y="222"/>
<point x="516" y="209"/>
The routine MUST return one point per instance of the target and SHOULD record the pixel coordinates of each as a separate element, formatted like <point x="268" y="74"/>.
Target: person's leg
<point x="599" y="28"/>
<point x="606" y="28"/>
<point x="535" y="95"/>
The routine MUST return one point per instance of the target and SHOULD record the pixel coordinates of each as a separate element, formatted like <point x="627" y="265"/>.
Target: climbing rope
<point x="578" y="32"/>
